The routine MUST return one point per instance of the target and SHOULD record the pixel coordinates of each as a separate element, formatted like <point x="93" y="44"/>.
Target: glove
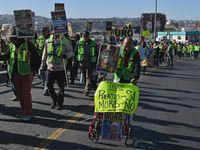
<point x="42" y="71"/>
<point x="64" y="56"/>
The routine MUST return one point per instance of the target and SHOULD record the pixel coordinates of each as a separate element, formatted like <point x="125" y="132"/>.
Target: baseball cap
<point x="121" y="38"/>
<point x="86" y="33"/>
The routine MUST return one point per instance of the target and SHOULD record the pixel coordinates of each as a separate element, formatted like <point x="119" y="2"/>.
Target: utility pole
<point x="155" y="21"/>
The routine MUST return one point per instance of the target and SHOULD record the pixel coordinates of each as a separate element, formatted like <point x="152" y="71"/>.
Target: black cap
<point x="86" y="33"/>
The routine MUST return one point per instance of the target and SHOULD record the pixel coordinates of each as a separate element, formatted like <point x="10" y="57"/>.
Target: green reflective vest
<point x="23" y="68"/>
<point x="128" y="71"/>
<point x="184" y="49"/>
<point x="196" y="48"/>
<point x="179" y="47"/>
<point x="53" y="55"/>
<point x="161" y="48"/>
<point x="41" y="40"/>
<point x="81" y="50"/>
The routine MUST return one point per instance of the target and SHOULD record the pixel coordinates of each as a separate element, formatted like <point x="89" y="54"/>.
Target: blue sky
<point x="174" y="9"/>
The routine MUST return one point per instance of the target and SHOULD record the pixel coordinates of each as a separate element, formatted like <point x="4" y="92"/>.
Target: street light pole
<point x="155" y="21"/>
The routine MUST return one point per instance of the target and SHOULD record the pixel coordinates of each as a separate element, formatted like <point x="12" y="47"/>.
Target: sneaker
<point x="42" y="84"/>
<point x="59" y="107"/>
<point x="53" y="104"/>
<point x="6" y="84"/>
<point x="15" y="98"/>
<point x="19" y="115"/>
<point x="87" y="93"/>
<point x="26" y="118"/>
<point x="46" y="93"/>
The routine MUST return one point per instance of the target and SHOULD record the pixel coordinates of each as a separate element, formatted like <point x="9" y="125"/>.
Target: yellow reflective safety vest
<point x="81" y="50"/>
<point x="128" y="71"/>
<point x="41" y="40"/>
<point x="196" y="48"/>
<point x="55" y="56"/>
<point x="23" y="68"/>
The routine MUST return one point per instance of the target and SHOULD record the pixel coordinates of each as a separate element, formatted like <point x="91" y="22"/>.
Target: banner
<point x="112" y="126"/>
<point x="5" y="31"/>
<point x="89" y="26"/>
<point x="24" y="24"/>
<point x="108" y="25"/>
<point x="108" y="58"/>
<point x="129" y="25"/>
<point x="116" y="97"/>
<point x="70" y="29"/>
<point x="145" y="33"/>
<point x="122" y="32"/>
<point x="59" y="22"/>
<point x="59" y="6"/>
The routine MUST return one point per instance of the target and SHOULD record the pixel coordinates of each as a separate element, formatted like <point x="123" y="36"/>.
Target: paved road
<point x="167" y="117"/>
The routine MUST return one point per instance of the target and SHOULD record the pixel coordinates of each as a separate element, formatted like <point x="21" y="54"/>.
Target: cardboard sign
<point x="59" y="6"/>
<point x="89" y="26"/>
<point x="108" y="58"/>
<point x="5" y="30"/>
<point x="59" y="22"/>
<point x="122" y="32"/>
<point x="24" y="23"/>
<point x="112" y="126"/>
<point x="116" y="97"/>
<point x="108" y="25"/>
<point x="70" y="29"/>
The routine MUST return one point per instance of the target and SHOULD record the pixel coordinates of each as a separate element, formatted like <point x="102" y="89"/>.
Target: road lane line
<point x="59" y="131"/>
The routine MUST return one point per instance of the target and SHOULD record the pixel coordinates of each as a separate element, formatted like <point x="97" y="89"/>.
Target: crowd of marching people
<point x="51" y="56"/>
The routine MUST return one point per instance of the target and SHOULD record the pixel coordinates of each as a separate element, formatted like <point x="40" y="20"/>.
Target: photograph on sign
<point x="5" y="30"/>
<point x="108" y="25"/>
<point x="112" y="126"/>
<point x="59" y="22"/>
<point x="89" y="26"/>
<point x="59" y="6"/>
<point x="108" y="58"/>
<point x="24" y="24"/>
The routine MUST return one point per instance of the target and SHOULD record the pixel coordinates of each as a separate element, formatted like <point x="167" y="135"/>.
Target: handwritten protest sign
<point x="24" y="24"/>
<point x="116" y="97"/>
<point x="89" y="26"/>
<point x="145" y="33"/>
<point x="108" y="25"/>
<point x="112" y="126"/>
<point x="5" y="30"/>
<point x="108" y="58"/>
<point x="59" y="6"/>
<point x="70" y="29"/>
<point x="59" y="22"/>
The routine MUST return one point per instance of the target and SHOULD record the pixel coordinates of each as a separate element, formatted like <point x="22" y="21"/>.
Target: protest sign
<point x="33" y="18"/>
<point x="89" y="26"/>
<point x="59" y="22"/>
<point x="112" y="126"/>
<point x="108" y="25"/>
<point x="129" y="26"/>
<point x="70" y="29"/>
<point x="5" y="30"/>
<point x="59" y="6"/>
<point x="145" y="33"/>
<point x="116" y="97"/>
<point x="143" y="62"/>
<point x="108" y="58"/>
<point x="122" y="32"/>
<point x="24" y="24"/>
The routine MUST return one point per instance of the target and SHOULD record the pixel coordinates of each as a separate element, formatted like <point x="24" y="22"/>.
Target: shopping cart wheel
<point x="97" y="125"/>
<point x="129" y="132"/>
<point x="126" y="139"/>
<point x="95" y="136"/>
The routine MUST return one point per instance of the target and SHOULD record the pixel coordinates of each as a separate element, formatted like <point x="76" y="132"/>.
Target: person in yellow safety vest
<point x="191" y="47"/>
<point x="184" y="49"/>
<point x="86" y="54"/>
<point x="18" y="56"/>
<point x="121" y="39"/>
<point x="128" y="68"/>
<point x="40" y="47"/>
<point x="8" y="46"/>
<point x="69" y="64"/>
<point x="196" y="50"/>
<point x="179" y="50"/>
<point x="162" y="52"/>
<point x="53" y="55"/>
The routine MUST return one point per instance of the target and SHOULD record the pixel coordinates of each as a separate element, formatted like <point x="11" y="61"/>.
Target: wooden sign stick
<point x="64" y="66"/>
<point x="29" y="67"/>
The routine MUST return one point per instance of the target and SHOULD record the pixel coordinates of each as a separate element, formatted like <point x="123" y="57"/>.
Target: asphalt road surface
<point x="167" y="117"/>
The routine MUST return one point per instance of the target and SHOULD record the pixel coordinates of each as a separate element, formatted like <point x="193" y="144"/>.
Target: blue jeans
<point x="170" y="60"/>
<point x="191" y="54"/>
<point x="43" y="77"/>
